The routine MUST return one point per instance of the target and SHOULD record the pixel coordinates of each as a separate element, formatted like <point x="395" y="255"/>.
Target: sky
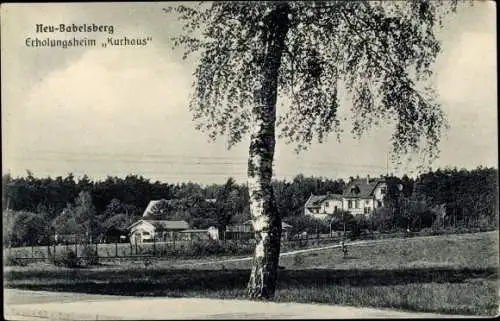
<point x="119" y="111"/>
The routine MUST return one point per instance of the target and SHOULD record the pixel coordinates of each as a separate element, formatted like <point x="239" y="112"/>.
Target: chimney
<point x="367" y="179"/>
<point x="357" y="176"/>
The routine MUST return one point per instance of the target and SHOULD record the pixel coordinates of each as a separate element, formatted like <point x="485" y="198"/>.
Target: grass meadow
<point x="455" y="274"/>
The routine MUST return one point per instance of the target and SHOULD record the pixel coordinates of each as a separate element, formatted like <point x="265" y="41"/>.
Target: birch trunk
<point x="266" y="221"/>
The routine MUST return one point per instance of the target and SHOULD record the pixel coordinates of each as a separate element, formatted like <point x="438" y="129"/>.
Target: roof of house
<point x="316" y="200"/>
<point x="194" y="231"/>
<point x="149" y="212"/>
<point x="156" y="207"/>
<point x="169" y="225"/>
<point x="361" y="188"/>
<point x="164" y="224"/>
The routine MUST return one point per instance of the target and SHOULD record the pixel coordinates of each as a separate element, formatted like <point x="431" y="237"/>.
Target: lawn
<point x="455" y="274"/>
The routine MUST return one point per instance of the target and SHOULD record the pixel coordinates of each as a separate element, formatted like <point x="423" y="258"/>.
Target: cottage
<point x="360" y="196"/>
<point x="114" y="235"/>
<point x="245" y="230"/>
<point x="192" y="235"/>
<point x="320" y="206"/>
<point x="155" y="230"/>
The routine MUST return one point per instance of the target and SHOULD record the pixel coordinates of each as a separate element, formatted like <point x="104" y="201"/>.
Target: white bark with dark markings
<point x="266" y="221"/>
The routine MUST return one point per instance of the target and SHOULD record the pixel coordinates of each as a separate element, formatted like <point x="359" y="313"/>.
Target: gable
<point x="360" y="188"/>
<point x="314" y="201"/>
<point x="155" y="208"/>
<point x="169" y="225"/>
<point x="141" y="224"/>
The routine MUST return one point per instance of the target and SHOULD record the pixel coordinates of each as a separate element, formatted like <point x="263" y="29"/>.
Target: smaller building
<point x="320" y="206"/>
<point x="69" y="238"/>
<point x="245" y="231"/>
<point x="194" y="235"/>
<point x="155" y="230"/>
<point x="115" y="235"/>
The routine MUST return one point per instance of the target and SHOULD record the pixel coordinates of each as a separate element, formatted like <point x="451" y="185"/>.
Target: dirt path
<point x="349" y="244"/>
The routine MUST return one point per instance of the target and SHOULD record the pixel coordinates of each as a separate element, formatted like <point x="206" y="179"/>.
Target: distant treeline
<point x="68" y="205"/>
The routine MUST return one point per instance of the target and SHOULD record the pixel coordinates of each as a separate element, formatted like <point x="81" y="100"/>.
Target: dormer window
<point x="355" y="189"/>
<point x="327" y="204"/>
<point x="383" y="190"/>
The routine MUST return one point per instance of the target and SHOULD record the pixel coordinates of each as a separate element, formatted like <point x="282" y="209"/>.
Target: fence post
<point x="154" y="245"/>
<point x="96" y="250"/>
<point x="76" y="249"/>
<point x="116" y="249"/>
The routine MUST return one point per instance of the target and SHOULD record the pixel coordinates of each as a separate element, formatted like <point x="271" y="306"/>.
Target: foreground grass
<point x="444" y="274"/>
<point x="478" y="250"/>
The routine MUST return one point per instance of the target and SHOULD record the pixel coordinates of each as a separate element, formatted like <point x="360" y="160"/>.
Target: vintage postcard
<point x="249" y="160"/>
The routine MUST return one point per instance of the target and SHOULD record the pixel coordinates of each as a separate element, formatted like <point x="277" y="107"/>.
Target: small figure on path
<point x="344" y="248"/>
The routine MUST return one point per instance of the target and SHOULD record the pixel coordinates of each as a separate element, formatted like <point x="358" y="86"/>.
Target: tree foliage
<point x="470" y="198"/>
<point x="378" y="53"/>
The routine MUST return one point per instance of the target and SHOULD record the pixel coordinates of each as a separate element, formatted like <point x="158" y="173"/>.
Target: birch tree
<point x="378" y="53"/>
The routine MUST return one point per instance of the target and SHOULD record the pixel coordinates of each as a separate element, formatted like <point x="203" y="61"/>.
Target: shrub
<point x="66" y="258"/>
<point x="11" y="260"/>
<point x="203" y="248"/>
<point x="298" y="260"/>
<point x="90" y="255"/>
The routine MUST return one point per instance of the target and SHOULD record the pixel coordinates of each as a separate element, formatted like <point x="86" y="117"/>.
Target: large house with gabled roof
<point x="360" y="196"/>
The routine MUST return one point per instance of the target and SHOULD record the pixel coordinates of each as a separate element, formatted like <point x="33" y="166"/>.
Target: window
<point x="327" y="204"/>
<point x="379" y="203"/>
<point x="366" y="210"/>
<point x="335" y="210"/>
<point x="349" y="203"/>
<point x="356" y="204"/>
<point x="383" y="190"/>
<point x="145" y="233"/>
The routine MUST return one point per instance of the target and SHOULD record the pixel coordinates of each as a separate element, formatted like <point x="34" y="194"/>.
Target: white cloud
<point x="109" y="98"/>
<point x="135" y="101"/>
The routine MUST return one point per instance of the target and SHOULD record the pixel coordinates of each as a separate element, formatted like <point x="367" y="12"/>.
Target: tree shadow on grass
<point x="177" y="283"/>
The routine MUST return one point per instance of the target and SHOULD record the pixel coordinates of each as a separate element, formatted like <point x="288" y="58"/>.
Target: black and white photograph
<point x="250" y="160"/>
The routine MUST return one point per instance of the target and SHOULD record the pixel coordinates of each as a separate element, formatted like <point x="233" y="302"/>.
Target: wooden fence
<point x="175" y="248"/>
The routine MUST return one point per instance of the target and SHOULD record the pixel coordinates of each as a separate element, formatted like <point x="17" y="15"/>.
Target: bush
<point x="66" y="258"/>
<point x="203" y="248"/>
<point x="11" y="260"/>
<point x="90" y="255"/>
<point x="298" y="260"/>
<point x="307" y="224"/>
